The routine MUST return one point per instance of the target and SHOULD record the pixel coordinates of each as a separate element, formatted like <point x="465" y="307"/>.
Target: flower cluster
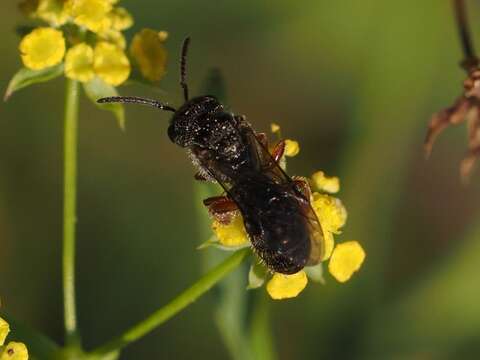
<point x="87" y="36"/>
<point x="13" y="350"/>
<point x="84" y="41"/>
<point x="344" y="259"/>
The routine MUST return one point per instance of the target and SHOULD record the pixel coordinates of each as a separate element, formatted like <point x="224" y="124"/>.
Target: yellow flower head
<point x="92" y="14"/>
<point x="330" y="211"/>
<point x="4" y="330"/>
<point x="346" y="259"/>
<point x="232" y="234"/>
<point x="292" y="148"/>
<point x="79" y="63"/>
<point x="329" y="244"/>
<point x="53" y="12"/>
<point x="326" y="183"/>
<point x="14" y="351"/>
<point x="282" y="286"/>
<point x="274" y="128"/>
<point x="110" y="63"/>
<point x="120" y="19"/>
<point x="149" y="53"/>
<point x="42" y="48"/>
<point x="114" y="37"/>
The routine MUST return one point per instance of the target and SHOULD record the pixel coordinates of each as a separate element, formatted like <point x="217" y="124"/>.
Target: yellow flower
<point x="110" y="63"/>
<point x="114" y="37"/>
<point x="120" y="19"/>
<point x="149" y="53"/>
<point x="14" y="351"/>
<point x="93" y="14"/>
<point x="292" y="148"/>
<point x="326" y="183"/>
<point x="329" y="244"/>
<point x="79" y="63"/>
<point x="282" y="286"/>
<point x="346" y="259"/>
<point x="42" y="48"/>
<point x="232" y="234"/>
<point x="274" y="128"/>
<point x="4" y="330"/>
<point x="330" y="211"/>
<point x="53" y="12"/>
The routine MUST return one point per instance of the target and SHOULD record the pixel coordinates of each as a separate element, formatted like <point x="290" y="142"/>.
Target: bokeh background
<point x="355" y="82"/>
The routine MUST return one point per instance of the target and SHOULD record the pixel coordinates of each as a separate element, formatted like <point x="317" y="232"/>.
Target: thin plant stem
<point x="179" y="303"/>
<point x="261" y="338"/>
<point x="69" y="209"/>
<point x="470" y="59"/>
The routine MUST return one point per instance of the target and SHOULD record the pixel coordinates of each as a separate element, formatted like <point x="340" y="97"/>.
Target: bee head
<point x="187" y="120"/>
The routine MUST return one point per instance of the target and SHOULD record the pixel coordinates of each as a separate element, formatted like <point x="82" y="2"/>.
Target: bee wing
<point x="270" y="167"/>
<point x="265" y="162"/>
<point x="317" y="238"/>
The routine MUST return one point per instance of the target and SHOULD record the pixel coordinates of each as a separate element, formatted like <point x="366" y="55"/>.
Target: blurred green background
<point x="355" y="82"/>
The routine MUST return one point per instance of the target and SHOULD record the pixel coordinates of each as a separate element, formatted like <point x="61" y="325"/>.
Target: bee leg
<point x="303" y="186"/>
<point x="200" y="177"/>
<point x="221" y="208"/>
<point x="262" y="139"/>
<point x="278" y="151"/>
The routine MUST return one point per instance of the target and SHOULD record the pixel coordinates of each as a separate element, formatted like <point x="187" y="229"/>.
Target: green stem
<point x="69" y="209"/>
<point x="163" y="314"/>
<point x="470" y="61"/>
<point x="261" y="338"/>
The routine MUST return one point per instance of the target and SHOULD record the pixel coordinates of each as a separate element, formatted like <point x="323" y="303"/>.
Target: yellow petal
<point x="283" y="286"/>
<point x="330" y="211"/>
<point x="274" y="128"/>
<point x="114" y="37"/>
<point x="4" y="330"/>
<point x="163" y="35"/>
<point x="292" y="148"/>
<point x="79" y="63"/>
<point x="149" y="53"/>
<point x="14" y="351"/>
<point x="110" y="63"/>
<point x="92" y="14"/>
<point x="231" y="235"/>
<point x="329" y="244"/>
<point x="42" y="48"/>
<point x="326" y="183"/>
<point x="346" y="259"/>
<point x="120" y="19"/>
<point x="52" y="11"/>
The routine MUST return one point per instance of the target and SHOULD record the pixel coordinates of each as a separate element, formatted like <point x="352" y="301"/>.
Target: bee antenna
<point x="135" y="100"/>
<point x="183" y="67"/>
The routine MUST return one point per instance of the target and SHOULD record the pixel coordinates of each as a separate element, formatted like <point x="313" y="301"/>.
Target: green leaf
<point x="97" y="89"/>
<point x="206" y="244"/>
<point x="256" y="275"/>
<point x="26" y="77"/>
<point x="213" y="241"/>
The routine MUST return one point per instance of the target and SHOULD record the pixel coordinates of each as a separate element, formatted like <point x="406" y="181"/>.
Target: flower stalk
<point x="179" y="303"/>
<point x="69" y="209"/>
<point x="470" y="61"/>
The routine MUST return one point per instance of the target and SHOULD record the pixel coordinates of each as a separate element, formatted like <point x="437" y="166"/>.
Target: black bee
<point x="282" y="226"/>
